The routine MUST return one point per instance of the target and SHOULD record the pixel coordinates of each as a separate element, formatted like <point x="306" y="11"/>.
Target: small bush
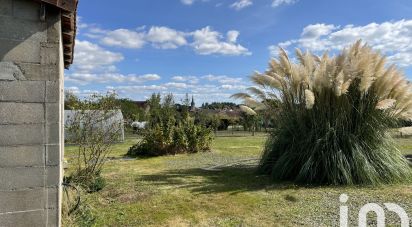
<point x="96" y="184"/>
<point x="171" y="138"/>
<point x="90" y="183"/>
<point x="333" y="118"/>
<point x="94" y="133"/>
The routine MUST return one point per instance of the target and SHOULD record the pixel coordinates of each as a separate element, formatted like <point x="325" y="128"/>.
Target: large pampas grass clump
<point x="333" y="116"/>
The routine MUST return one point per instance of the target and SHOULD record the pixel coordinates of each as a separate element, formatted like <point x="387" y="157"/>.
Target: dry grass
<point x="175" y="191"/>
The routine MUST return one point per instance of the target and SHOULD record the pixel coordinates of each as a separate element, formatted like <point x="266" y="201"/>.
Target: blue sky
<point x="209" y="48"/>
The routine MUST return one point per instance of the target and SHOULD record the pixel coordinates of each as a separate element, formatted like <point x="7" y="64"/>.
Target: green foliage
<point x="130" y="111"/>
<point x="171" y="138"/>
<point x="91" y="129"/>
<point x="209" y="120"/>
<point x="161" y="111"/>
<point x="333" y="118"/>
<point x="84" y="216"/>
<point x="71" y="101"/>
<point x="169" y="133"/>
<point x="89" y="182"/>
<point x="96" y="184"/>
<point x="219" y="105"/>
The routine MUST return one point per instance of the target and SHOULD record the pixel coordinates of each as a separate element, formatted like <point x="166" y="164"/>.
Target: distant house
<point x="114" y="121"/>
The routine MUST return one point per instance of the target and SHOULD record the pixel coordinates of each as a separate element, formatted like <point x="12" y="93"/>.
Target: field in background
<point x="179" y="191"/>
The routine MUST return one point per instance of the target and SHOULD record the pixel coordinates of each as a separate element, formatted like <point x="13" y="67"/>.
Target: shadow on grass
<point x="229" y="179"/>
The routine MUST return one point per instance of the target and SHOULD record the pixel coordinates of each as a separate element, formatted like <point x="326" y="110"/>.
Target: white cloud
<point x="176" y="85"/>
<point x="190" y="2"/>
<point x="81" y="25"/>
<point x="88" y="78"/>
<point x="232" y="36"/>
<point x="277" y="3"/>
<point x="187" y="2"/>
<point x="124" y="38"/>
<point x="274" y="49"/>
<point x="91" y="57"/>
<point x="149" y="77"/>
<point x="204" y="41"/>
<point x="139" y="88"/>
<point x="232" y="87"/>
<point x="223" y="79"/>
<point x="241" y="4"/>
<point x="212" y="88"/>
<point x="314" y="31"/>
<point x="73" y="90"/>
<point x="207" y="41"/>
<point x="81" y="93"/>
<point x="187" y="79"/>
<point x="393" y="39"/>
<point x="166" y="38"/>
<point x="178" y="78"/>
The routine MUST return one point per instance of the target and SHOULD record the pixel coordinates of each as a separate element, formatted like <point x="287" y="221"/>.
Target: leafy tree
<point x="219" y="105"/>
<point x="130" y="111"/>
<point x="70" y="100"/>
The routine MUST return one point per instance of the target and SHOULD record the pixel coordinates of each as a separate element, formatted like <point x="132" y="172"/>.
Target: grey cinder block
<point x="49" y="54"/>
<point x="53" y="176"/>
<point x="31" y="71"/>
<point x="10" y="71"/>
<point x="22" y="156"/>
<point x="53" y="155"/>
<point x="36" y="71"/>
<point x="53" y="25"/>
<point x="6" y="7"/>
<point x="20" y="113"/>
<point x="30" y="199"/>
<point x="50" y="72"/>
<point x="22" y="91"/>
<point x="52" y="91"/>
<point x="20" y="51"/>
<point x="31" y="134"/>
<point x="24" y="9"/>
<point x="53" y="134"/>
<point x="52" y="198"/>
<point x="52" y="113"/>
<point x="23" y="219"/>
<point x="53" y="217"/>
<point x="21" y="178"/>
<point x="30" y="118"/>
<point x="20" y="29"/>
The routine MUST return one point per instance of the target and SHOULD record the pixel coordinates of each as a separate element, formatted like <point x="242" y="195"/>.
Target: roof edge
<point x="67" y="5"/>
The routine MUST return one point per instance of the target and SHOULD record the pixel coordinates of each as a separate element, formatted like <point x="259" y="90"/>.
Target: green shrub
<point x="96" y="184"/>
<point x="170" y="138"/>
<point x="94" y="133"/>
<point x="333" y="117"/>
<point x="90" y="183"/>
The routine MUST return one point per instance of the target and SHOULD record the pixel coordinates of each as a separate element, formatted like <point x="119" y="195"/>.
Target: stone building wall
<point x="31" y="83"/>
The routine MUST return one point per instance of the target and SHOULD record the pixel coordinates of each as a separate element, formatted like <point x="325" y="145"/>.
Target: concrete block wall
<point x="31" y="87"/>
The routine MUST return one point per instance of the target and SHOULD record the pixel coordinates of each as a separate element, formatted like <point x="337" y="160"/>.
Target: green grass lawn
<point x="177" y="191"/>
<point x="405" y="144"/>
